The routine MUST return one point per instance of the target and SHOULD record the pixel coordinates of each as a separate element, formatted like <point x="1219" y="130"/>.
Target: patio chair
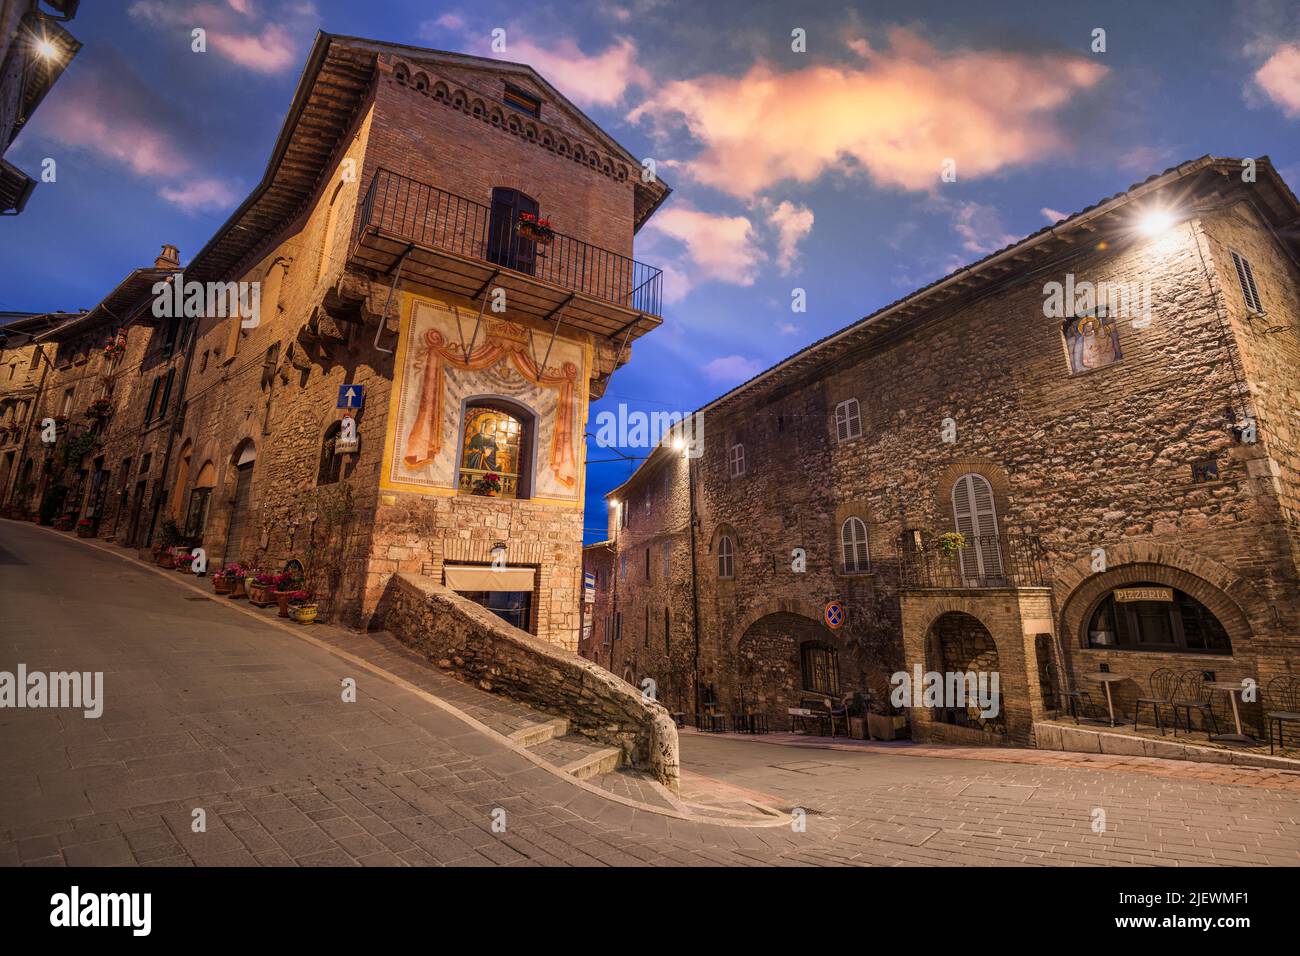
<point x="840" y="712"/>
<point x="708" y="718"/>
<point x="1075" y="700"/>
<point x="1190" y="695"/>
<point x="1282" y="707"/>
<point x="1161" y="685"/>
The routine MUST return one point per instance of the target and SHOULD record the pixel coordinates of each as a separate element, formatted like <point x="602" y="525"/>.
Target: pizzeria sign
<point x="1129" y="595"/>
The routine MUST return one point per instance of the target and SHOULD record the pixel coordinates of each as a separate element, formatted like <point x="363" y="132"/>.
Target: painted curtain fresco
<point x="443" y="367"/>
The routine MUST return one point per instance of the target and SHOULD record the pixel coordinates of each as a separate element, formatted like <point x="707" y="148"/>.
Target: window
<point x="331" y="464"/>
<point x="401" y="74"/>
<point x="645" y="633"/>
<point x="1246" y="279"/>
<point x="327" y="238"/>
<point x="853" y="546"/>
<point x="848" y="420"/>
<point x="647" y="565"/>
<point x="1154" y="617"/>
<point x="618" y="625"/>
<point x="494" y="451"/>
<point x="668" y="555"/>
<point x="622" y="514"/>
<point x="517" y="99"/>
<point x="166" y="392"/>
<point x="820" y="668"/>
<point x="736" y="461"/>
<point x="67" y="403"/>
<point x="604" y="636"/>
<point x="269" y="363"/>
<point x="622" y="566"/>
<point x="976" y="518"/>
<point x="170" y="332"/>
<point x="153" y="400"/>
<point x="667" y="631"/>
<point x="726" y="558"/>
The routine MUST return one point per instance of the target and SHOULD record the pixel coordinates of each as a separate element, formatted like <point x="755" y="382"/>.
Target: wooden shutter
<point x="1246" y="279"/>
<point x="976" y="518"/>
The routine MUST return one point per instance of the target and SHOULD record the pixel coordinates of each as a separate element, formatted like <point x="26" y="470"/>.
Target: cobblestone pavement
<point x="208" y="709"/>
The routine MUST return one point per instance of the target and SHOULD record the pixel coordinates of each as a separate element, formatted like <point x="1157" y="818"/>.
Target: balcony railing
<point x="436" y="219"/>
<point x="986" y="561"/>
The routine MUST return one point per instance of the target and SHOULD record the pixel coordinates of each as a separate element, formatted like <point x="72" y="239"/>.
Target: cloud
<point x="979" y="227"/>
<point x="1145" y="160"/>
<point x="793" y="224"/>
<point x="895" y="115"/>
<point x="1279" y="78"/>
<point x="107" y="110"/>
<point x="732" y="369"/>
<point x="1053" y="215"/>
<point x="235" y="31"/>
<point x="788" y="328"/>
<point x="710" y="247"/>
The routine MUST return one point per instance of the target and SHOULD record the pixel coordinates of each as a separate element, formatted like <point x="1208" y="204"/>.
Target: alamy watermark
<point x="176" y="298"/>
<point x="72" y="689"/>
<point x="630" y="428"/>
<point x="947" y="689"/>
<point x="1116" y="300"/>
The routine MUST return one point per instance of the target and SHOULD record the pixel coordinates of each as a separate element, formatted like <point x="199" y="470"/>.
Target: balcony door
<point x="505" y="246"/>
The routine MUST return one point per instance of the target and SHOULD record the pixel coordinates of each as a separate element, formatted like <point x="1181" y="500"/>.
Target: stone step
<point x="579" y="756"/>
<point x="540" y="733"/>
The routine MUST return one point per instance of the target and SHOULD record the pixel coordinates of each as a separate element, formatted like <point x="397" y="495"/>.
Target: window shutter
<point x="1246" y="279"/>
<point x="976" y="518"/>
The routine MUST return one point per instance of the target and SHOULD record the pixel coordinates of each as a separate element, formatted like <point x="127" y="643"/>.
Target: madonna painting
<point x="1093" y="342"/>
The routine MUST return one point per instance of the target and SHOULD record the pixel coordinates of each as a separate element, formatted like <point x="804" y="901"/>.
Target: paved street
<point x="207" y="708"/>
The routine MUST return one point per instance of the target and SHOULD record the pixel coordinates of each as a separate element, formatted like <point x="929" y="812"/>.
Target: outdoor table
<point x="800" y="714"/>
<point x="1232" y="688"/>
<point x="1106" y="678"/>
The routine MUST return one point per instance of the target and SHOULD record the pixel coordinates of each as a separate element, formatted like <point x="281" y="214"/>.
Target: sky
<point x="799" y="161"/>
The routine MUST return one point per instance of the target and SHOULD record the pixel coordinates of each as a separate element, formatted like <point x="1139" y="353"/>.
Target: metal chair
<point x="1190" y="695"/>
<point x="840" y="713"/>
<point x="1074" y="699"/>
<point x="1283" y="696"/>
<point x="1161" y="683"/>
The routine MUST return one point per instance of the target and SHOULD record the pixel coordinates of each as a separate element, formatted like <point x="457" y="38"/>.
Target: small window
<point x="726" y="558"/>
<point x="853" y="546"/>
<point x="331" y="464"/>
<point x="622" y="566"/>
<point x="645" y="634"/>
<point x="1246" y="279"/>
<point x="494" y="451"/>
<point x="618" y="625"/>
<point x="736" y="461"/>
<point x="848" y="420"/>
<point x="67" y="402"/>
<point x="517" y="99"/>
<point x="401" y="74"/>
<point x="623" y="509"/>
<point x="668" y="554"/>
<point x="647" y="564"/>
<point x="820" y="667"/>
<point x="153" y="400"/>
<point x="668" y="626"/>
<point x="166" y="392"/>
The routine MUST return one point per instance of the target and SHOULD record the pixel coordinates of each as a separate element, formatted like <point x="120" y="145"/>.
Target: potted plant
<point x="261" y="589"/>
<point x="283" y="590"/>
<point x="85" y="528"/>
<point x="301" y="607"/>
<point x="488" y="485"/>
<point x="221" y="583"/>
<point x="236" y="575"/>
<point x="63" y="522"/>
<point x="183" y="561"/>
<point x="99" y="409"/>
<point x="858" y="716"/>
<point x="535" y="229"/>
<point x="951" y="544"/>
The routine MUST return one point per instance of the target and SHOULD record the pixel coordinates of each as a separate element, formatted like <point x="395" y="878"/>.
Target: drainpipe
<point x="695" y="591"/>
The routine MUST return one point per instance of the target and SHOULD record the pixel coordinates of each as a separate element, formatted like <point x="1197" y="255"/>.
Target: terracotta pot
<point x="282" y="598"/>
<point x="222" y="585"/>
<point x="239" y="590"/>
<point x="85" y="532"/>
<point x="261" y="596"/>
<point x="167" y="560"/>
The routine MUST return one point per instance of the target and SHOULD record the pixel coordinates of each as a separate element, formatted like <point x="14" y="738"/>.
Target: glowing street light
<point x="1155" y="222"/>
<point x="46" y="49"/>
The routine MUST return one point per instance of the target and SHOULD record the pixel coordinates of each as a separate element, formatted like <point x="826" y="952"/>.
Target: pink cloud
<point x="1279" y="78"/>
<point x="199" y="195"/>
<point x="980" y="228"/>
<point x="896" y="116"/>
<point x="793" y="224"/>
<point x="714" y="247"/>
<point x="599" y="80"/>
<point x="1053" y="216"/>
<point x="235" y="32"/>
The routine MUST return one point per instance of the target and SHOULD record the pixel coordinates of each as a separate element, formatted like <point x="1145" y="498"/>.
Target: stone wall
<point x="480" y="648"/>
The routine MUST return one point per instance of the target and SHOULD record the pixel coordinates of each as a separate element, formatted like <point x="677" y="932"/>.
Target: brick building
<point x="1123" y="470"/>
<point x="440" y="242"/>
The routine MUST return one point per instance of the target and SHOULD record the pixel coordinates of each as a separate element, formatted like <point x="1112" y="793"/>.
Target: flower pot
<point x="282" y="599"/>
<point x="882" y="727"/>
<point x="858" y="728"/>
<point x="167" y="560"/>
<point x="222" y="585"/>
<point x="303" y="613"/>
<point x="260" y="596"/>
<point x="238" y="589"/>
<point x="87" y="531"/>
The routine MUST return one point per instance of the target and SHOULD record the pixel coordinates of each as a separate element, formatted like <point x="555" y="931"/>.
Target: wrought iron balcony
<point x="454" y="243"/>
<point x="986" y="561"/>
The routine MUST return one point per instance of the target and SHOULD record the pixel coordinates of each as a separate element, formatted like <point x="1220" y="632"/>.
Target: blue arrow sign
<point x="351" y="396"/>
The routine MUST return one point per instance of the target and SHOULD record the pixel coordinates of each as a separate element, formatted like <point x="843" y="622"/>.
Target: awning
<point x="460" y="577"/>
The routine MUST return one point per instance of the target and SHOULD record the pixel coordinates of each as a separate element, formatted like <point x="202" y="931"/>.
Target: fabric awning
<point x="460" y="577"/>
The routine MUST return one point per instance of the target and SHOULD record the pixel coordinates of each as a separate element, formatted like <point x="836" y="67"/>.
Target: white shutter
<point x="853" y="545"/>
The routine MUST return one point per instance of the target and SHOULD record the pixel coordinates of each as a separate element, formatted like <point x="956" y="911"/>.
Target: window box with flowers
<point x="302" y="608"/>
<point x="535" y="229"/>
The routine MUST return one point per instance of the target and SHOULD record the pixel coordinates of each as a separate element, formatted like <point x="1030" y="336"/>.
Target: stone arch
<point x="769" y="671"/>
<point x="421" y="82"/>
<point x="478" y="109"/>
<point x="401" y="73"/>
<point x="959" y="642"/>
<point x="496" y="117"/>
<point x="984" y="467"/>
<point x="460" y="100"/>
<point x="563" y="147"/>
<point x="441" y="91"/>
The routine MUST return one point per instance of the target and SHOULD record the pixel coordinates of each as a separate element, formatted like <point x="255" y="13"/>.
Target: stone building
<point x="35" y="49"/>
<point x="1108" y="414"/>
<point x="387" y="358"/>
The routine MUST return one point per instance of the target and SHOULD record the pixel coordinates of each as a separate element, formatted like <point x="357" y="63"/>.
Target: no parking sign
<point x="833" y="615"/>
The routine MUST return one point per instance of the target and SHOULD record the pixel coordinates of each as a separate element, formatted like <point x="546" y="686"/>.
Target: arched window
<point x="820" y="668"/>
<point x="401" y="74"/>
<point x="327" y="238"/>
<point x="182" y="477"/>
<point x="976" y="518"/>
<point x="726" y="557"/>
<point x="269" y="302"/>
<point x="848" y="420"/>
<point x="496" y="450"/>
<point x="196" y="516"/>
<point x="331" y="463"/>
<point x="853" y="546"/>
<point x="1155" y="617"/>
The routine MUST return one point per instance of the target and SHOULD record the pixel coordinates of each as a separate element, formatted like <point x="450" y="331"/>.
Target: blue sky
<point x="816" y="170"/>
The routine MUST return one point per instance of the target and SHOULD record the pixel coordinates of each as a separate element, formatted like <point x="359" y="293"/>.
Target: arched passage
<point x="957" y="646"/>
<point x="783" y="658"/>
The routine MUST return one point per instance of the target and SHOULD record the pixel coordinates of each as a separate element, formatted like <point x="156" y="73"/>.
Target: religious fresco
<point x="1093" y="342"/>
<point x="444" y="369"/>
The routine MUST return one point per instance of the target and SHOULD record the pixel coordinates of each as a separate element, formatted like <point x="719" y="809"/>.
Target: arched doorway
<point x="783" y="658"/>
<point x="243" y="460"/>
<point x="182" y="478"/>
<point x="960" y="649"/>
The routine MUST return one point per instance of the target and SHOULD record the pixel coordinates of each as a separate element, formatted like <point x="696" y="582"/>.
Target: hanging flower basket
<point x="99" y="409"/>
<point x="951" y="544"/>
<point x="183" y="562"/>
<point x="534" y="229"/>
